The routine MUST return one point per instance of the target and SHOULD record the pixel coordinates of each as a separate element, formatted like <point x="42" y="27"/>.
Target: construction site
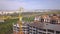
<point x="40" y="23"/>
<point x="29" y="16"/>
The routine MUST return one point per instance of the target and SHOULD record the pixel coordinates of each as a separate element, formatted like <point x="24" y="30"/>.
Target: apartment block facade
<point x="38" y="28"/>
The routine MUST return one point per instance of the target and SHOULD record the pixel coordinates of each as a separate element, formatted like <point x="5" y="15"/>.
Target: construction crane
<point x="20" y="21"/>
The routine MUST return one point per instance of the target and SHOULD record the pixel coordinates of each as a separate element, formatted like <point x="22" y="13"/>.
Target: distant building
<point x="51" y="18"/>
<point x="37" y="19"/>
<point x="45" y="18"/>
<point x="54" y="18"/>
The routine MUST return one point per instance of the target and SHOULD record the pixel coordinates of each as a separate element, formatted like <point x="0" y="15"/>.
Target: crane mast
<point x="20" y="20"/>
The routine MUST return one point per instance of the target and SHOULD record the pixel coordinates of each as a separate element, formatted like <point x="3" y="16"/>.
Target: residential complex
<point x="45" y="24"/>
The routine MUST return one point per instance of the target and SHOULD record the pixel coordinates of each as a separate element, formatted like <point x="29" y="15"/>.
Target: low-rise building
<point x="54" y="18"/>
<point x="51" y="18"/>
<point x="36" y="19"/>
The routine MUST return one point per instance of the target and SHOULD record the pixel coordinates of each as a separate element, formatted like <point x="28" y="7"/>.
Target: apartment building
<point x="54" y="18"/>
<point x="44" y="28"/>
<point x="50" y="18"/>
<point x="45" y="18"/>
<point x="37" y="19"/>
<point x="37" y="28"/>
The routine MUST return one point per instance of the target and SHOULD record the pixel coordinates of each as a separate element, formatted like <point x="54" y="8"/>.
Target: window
<point x="57" y="32"/>
<point x="51" y="31"/>
<point x="40" y="33"/>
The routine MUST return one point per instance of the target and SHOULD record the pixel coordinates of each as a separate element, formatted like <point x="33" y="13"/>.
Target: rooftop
<point x="55" y="27"/>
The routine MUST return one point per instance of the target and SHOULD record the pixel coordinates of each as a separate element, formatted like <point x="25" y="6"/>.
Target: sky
<point x="29" y="4"/>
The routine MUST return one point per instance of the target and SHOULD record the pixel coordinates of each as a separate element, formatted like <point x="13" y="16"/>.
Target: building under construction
<point x="37" y="28"/>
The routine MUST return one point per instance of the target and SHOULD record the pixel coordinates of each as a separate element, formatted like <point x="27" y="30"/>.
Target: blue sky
<point x="29" y="4"/>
